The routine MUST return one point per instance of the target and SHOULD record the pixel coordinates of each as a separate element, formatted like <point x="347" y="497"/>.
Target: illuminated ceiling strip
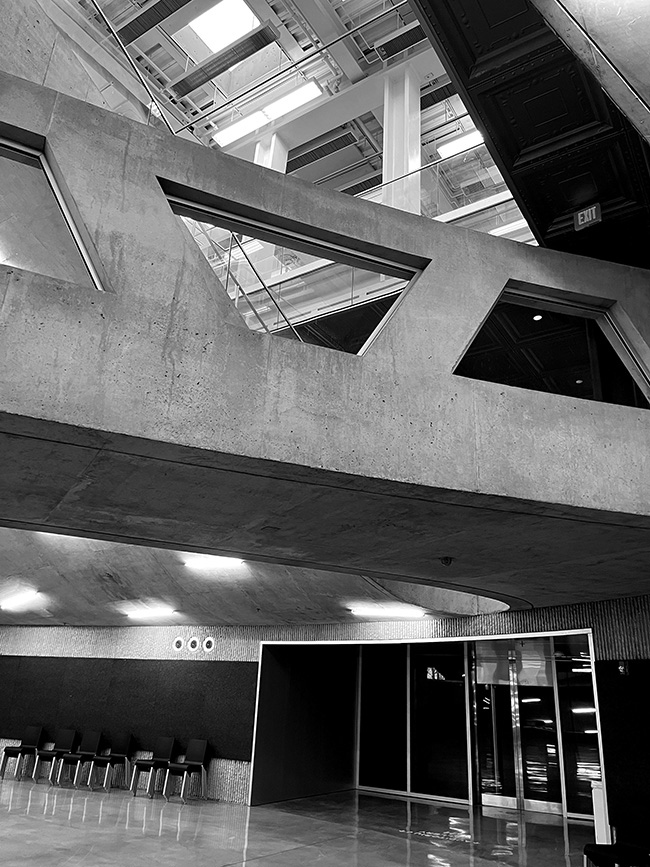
<point x="475" y="207"/>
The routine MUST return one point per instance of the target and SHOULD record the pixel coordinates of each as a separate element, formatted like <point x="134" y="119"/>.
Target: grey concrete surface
<point x="151" y="414"/>
<point x="32" y="47"/>
<point x="615" y="47"/>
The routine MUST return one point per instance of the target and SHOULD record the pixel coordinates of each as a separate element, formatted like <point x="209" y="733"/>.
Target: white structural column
<point x="402" y="149"/>
<point x="271" y="151"/>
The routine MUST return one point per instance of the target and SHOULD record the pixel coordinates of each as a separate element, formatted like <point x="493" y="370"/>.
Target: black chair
<point x="120" y="754"/>
<point x="616" y="855"/>
<point x="31" y="742"/>
<point x="196" y="762"/>
<point x="162" y="756"/>
<point x="65" y="741"/>
<point x="88" y="749"/>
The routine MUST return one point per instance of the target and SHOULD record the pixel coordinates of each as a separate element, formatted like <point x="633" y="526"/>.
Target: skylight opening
<point x="224" y="23"/>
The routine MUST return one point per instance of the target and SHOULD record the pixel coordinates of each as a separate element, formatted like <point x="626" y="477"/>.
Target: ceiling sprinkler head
<point x="446" y="561"/>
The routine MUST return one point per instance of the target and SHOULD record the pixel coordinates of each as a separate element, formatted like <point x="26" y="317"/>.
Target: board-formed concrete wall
<point x="150" y="413"/>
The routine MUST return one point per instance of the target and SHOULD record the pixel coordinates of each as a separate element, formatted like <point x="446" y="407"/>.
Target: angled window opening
<point x="37" y="231"/>
<point x="312" y="289"/>
<point x="557" y="344"/>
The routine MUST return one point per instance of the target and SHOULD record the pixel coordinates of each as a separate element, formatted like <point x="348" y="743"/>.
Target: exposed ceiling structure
<point x="304" y="79"/>
<point x="560" y="142"/>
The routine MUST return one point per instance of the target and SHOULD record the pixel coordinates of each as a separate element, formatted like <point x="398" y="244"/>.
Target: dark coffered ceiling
<point x="558" y="139"/>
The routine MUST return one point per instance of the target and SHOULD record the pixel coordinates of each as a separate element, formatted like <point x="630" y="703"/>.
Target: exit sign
<point x="586" y="217"/>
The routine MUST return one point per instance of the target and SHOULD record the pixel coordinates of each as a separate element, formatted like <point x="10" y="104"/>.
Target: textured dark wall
<point x="212" y="700"/>
<point x="305" y="723"/>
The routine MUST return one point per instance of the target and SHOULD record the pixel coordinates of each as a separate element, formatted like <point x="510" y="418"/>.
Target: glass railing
<point x="468" y="190"/>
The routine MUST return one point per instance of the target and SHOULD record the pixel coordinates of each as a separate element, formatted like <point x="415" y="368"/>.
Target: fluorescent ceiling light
<point x="460" y="144"/>
<point x="507" y="228"/>
<point x="583" y="710"/>
<point x="529" y="700"/>
<point x="19" y="600"/>
<point x="240" y="129"/>
<point x="591" y="731"/>
<point x="395" y="612"/>
<point x="581" y="670"/>
<point x="149" y="611"/>
<point x="207" y="562"/>
<point x="300" y="96"/>
<point x="224" y="23"/>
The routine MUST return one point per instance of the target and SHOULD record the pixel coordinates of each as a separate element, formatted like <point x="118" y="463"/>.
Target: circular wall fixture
<point x="209" y="644"/>
<point x="178" y="643"/>
<point x="193" y="644"/>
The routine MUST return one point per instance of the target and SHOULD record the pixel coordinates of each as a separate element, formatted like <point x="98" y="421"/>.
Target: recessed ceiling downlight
<point x="208" y="562"/>
<point x="153" y="612"/>
<point x="395" y="611"/>
<point x="22" y="599"/>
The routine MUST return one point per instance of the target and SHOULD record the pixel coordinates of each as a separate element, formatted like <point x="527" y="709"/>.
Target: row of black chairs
<point x="69" y="749"/>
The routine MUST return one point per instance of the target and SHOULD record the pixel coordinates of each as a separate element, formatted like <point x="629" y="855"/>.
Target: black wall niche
<point x="148" y="697"/>
<point x="306" y="722"/>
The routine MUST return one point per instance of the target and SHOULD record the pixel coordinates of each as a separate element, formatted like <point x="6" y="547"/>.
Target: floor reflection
<point x="40" y="824"/>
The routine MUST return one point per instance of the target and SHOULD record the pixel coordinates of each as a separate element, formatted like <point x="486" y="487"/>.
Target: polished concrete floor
<point x="47" y="826"/>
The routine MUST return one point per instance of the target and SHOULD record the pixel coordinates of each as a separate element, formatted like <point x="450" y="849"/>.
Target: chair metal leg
<point x="134" y="780"/>
<point x="21" y="762"/>
<point x="53" y="771"/>
<point x="4" y="764"/>
<point x="89" y="782"/>
<point x="204" y="783"/>
<point x="108" y="777"/>
<point x="37" y="762"/>
<point x="165" y="784"/>
<point x="58" y="776"/>
<point x="151" y="783"/>
<point x="186" y="777"/>
<point x="77" y="771"/>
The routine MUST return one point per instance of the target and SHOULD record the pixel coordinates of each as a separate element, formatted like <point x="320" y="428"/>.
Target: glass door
<point x="516" y="725"/>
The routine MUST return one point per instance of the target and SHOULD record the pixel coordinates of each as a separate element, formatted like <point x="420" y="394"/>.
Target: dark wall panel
<point x="382" y="760"/>
<point x="306" y="719"/>
<point x="186" y="699"/>
<point x="624" y="727"/>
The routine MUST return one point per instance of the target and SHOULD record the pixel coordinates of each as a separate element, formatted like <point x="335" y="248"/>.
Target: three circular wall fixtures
<point x="193" y="644"/>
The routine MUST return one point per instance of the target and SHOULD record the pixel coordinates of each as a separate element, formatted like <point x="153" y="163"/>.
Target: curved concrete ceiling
<point x="86" y="582"/>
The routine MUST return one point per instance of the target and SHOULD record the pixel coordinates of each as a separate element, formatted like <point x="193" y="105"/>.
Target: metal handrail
<point x="268" y="291"/>
<point x="422" y="168"/>
<point x="133" y="65"/>
<point x="219" y="252"/>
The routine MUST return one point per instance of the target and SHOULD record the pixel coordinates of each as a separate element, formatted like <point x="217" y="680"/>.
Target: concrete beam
<point x="151" y="414"/>
<point x="611" y="38"/>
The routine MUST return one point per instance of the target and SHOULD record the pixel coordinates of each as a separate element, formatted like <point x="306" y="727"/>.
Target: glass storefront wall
<point x="505" y="723"/>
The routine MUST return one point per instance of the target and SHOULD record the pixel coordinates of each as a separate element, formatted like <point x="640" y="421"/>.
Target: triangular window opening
<point x="524" y="344"/>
